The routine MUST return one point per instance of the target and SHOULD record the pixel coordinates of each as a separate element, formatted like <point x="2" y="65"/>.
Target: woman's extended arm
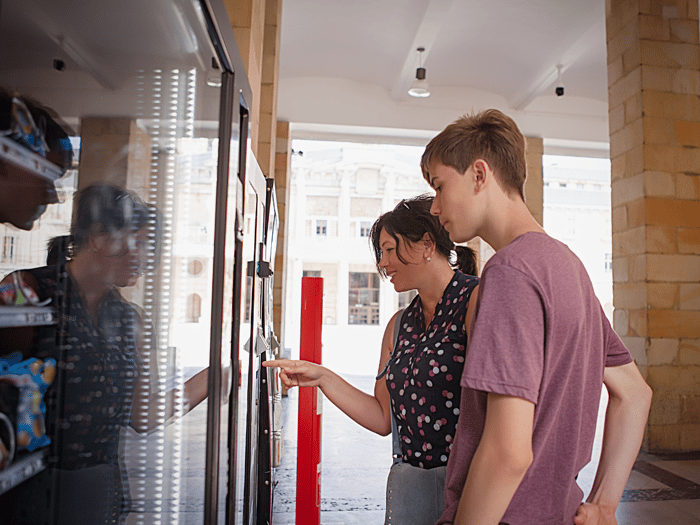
<point x="153" y="407"/>
<point x="146" y="402"/>
<point x="371" y="411"/>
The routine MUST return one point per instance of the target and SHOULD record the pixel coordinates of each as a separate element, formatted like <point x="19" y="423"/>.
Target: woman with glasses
<point x="109" y="381"/>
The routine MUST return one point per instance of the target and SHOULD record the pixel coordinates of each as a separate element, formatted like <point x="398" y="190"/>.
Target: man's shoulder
<point x="539" y="258"/>
<point x="532" y="248"/>
<point x="532" y="244"/>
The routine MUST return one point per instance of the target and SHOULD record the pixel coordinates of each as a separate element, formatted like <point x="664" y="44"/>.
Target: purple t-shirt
<point x="539" y="334"/>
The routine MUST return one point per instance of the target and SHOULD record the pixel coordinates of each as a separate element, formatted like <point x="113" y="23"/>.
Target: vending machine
<point x="136" y="289"/>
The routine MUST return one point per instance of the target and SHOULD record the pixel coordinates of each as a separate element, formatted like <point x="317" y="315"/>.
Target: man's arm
<point x="628" y="407"/>
<point x="500" y="462"/>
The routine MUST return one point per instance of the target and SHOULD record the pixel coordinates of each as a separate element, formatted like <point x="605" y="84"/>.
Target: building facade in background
<point x="337" y="192"/>
<point x="339" y="189"/>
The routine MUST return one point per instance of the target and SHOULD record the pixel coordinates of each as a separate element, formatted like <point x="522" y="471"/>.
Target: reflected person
<point x="107" y="383"/>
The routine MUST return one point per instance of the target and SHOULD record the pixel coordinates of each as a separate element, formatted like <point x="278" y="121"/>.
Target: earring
<point x="428" y="259"/>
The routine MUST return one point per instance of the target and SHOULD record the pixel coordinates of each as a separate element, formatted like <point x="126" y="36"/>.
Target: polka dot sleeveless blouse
<point x="423" y="375"/>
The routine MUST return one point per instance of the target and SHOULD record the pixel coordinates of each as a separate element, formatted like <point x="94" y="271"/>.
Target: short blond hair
<point x="489" y="135"/>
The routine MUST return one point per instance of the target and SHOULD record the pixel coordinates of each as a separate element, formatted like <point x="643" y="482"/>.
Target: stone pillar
<point x="283" y="156"/>
<point x="248" y="20"/>
<point x="256" y="25"/>
<point x="654" y="119"/>
<point x="268" y="88"/>
<point x="115" y="150"/>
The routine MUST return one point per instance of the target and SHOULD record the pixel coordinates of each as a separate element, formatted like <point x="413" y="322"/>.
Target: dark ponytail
<point x="466" y="260"/>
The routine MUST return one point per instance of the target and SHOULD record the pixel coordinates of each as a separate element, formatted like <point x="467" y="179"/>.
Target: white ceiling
<point x="349" y="64"/>
<point x="345" y="66"/>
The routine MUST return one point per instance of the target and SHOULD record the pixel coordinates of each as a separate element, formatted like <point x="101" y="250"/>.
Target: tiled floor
<point x="355" y="463"/>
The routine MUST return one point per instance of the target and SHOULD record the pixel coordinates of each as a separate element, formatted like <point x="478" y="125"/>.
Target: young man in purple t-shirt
<point x="540" y="349"/>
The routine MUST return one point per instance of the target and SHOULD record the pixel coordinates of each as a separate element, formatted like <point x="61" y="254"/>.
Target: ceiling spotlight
<point x="420" y="87"/>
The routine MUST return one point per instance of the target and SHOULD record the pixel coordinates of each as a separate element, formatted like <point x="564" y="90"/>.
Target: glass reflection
<point x="133" y="287"/>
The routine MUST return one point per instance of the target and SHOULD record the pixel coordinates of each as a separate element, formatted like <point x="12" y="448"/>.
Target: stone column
<point x="268" y="88"/>
<point x="654" y="118"/>
<point x="283" y="156"/>
<point x="115" y="150"/>
<point x="248" y="20"/>
<point x="534" y="184"/>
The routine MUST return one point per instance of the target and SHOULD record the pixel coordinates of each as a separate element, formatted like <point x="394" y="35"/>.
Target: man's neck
<point x="508" y="220"/>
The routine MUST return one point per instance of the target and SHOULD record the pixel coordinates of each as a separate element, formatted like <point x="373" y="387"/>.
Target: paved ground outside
<point x="354" y="466"/>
